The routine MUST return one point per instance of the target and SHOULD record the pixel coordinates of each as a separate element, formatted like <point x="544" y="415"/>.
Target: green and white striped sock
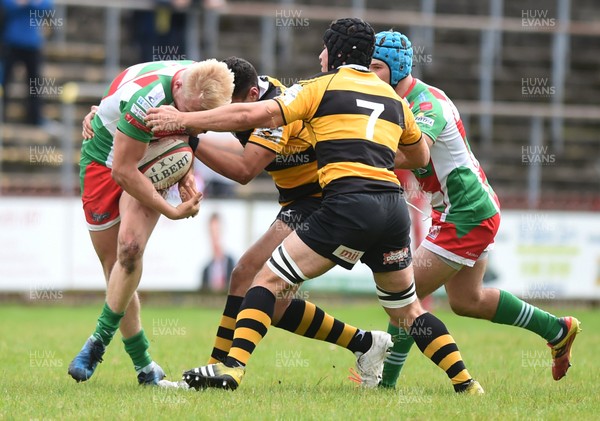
<point x="395" y="361"/>
<point x="513" y="311"/>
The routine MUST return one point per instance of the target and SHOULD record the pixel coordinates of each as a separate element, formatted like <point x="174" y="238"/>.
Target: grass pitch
<point x="289" y="377"/>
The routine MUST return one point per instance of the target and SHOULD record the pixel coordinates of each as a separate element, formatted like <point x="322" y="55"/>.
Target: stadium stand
<point x="281" y="39"/>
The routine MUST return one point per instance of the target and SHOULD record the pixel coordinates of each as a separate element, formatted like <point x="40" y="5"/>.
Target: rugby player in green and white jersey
<point x="121" y="205"/>
<point x="465" y="218"/>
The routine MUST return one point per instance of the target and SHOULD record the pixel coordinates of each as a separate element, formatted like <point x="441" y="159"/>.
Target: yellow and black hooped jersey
<point x="294" y="169"/>
<point x="356" y="122"/>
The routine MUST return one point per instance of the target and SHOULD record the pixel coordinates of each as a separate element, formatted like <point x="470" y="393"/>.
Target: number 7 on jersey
<point x="377" y="109"/>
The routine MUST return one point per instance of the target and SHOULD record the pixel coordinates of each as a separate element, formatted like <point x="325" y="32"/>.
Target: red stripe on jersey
<point x="116" y="83"/>
<point x="410" y="88"/>
<point x="146" y="80"/>
<point x="132" y="120"/>
<point x="437" y="93"/>
<point x="485" y="181"/>
<point x="425" y="106"/>
<point x="461" y="128"/>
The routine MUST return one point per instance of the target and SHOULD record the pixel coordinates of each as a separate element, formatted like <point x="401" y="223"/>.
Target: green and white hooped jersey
<point x="124" y="107"/>
<point x="456" y="182"/>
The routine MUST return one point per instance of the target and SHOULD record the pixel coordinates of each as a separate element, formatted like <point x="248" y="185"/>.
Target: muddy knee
<point x="130" y="255"/>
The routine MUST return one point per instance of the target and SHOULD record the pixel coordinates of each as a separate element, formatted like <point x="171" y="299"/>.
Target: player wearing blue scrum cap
<point x="465" y="218"/>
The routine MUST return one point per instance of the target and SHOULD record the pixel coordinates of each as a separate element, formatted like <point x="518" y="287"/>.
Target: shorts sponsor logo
<point x="425" y="120"/>
<point x="434" y="231"/>
<point x="99" y="217"/>
<point x="395" y="256"/>
<point x="348" y="254"/>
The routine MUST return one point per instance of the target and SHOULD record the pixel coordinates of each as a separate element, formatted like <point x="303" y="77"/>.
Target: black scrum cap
<point x="349" y="41"/>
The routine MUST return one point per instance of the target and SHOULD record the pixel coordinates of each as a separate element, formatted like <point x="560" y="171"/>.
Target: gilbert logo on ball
<point x="166" y="161"/>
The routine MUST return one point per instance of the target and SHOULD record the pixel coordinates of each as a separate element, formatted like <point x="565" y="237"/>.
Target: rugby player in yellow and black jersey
<point x="357" y="125"/>
<point x="287" y="155"/>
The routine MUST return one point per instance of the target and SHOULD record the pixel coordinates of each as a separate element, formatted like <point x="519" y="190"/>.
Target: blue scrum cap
<point x="395" y="50"/>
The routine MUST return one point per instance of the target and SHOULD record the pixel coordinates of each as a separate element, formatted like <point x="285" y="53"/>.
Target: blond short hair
<point x="208" y="83"/>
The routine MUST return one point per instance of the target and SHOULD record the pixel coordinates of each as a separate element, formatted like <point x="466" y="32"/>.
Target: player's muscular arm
<point x="413" y="156"/>
<point x="238" y="167"/>
<point x="128" y="152"/>
<point x="232" y="117"/>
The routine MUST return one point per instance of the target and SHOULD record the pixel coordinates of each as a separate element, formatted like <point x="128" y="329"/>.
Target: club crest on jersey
<point x="272" y="135"/>
<point x="434" y="231"/>
<point x="395" y="256"/>
<point x="290" y="94"/>
<point x="348" y="254"/>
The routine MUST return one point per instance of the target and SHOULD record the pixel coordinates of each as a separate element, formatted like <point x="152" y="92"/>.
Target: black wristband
<point x="193" y="142"/>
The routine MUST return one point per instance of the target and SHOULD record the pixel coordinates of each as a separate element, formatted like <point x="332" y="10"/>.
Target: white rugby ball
<point x="166" y="161"/>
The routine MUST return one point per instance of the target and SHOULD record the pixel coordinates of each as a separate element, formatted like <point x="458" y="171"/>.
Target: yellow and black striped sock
<point x="434" y="341"/>
<point x="225" y="331"/>
<point x="306" y="319"/>
<point x="252" y="324"/>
